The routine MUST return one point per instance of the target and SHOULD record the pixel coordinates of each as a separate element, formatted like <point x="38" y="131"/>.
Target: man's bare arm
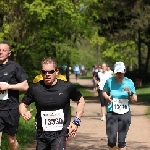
<point x="23" y="86"/>
<point x="24" y="112"/>
<point x="80" y="107"/>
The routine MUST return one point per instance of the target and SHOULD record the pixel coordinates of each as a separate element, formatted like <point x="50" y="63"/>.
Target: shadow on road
<point x="86" y="142"/>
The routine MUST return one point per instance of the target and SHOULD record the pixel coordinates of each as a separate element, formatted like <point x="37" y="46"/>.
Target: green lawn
<point x="86" y="77"/>
<point x="85" y="92"/>
<point x="144" y="95"/>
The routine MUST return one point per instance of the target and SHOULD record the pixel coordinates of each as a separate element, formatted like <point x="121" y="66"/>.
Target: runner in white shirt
<point x="110" y="71"/>
<point x="103" y="76"/>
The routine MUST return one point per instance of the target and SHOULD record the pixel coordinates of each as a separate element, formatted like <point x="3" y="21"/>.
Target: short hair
<point x="4" y="42"/>
<point x="49" y="60"/>
<point x="104" y="64"/>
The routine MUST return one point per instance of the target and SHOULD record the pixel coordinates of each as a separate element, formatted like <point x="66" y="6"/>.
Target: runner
<point x="40" y="77"/>
<point x="77" y="71"/>
<point x="94" y="81"/>
<point x="118" y="118"/>
<point x="95" y="77"/>
<point x="103" y="75"/>
<point x="12" y="80"/>
<point x="52" y="100"/>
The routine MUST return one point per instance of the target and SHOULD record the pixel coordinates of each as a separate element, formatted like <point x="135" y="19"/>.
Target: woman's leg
<point x="123" y="127"/>
<point x="111" y="129"/>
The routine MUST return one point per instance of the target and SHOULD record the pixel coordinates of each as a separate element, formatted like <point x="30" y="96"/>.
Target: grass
<point x="86" y="77"/>
<point x="83" y="91"/>
<point x="144" y="95"/>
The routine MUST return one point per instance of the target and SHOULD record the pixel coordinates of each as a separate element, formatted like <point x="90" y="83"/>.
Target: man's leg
<point x="11" y="127"/>
<point x="59" y="143"/>
<point x="42" y="145"/>
<point x="13" y="144"/>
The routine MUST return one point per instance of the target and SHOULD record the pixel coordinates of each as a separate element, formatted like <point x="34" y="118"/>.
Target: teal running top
<point x="116" y="90"/>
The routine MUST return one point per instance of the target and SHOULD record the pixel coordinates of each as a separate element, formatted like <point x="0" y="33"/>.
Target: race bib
<point x="52" y="120"/>
<point x="3" y="93"/>
<point x="120" y="106"/>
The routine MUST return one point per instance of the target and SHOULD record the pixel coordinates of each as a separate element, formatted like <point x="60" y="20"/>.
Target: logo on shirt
<point x="60" y="93"/>
<point x="5" y="73"/>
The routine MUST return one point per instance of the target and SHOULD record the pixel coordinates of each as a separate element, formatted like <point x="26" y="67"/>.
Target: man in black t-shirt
<point x="12" y="80"/>
<point x="52" y="100"/>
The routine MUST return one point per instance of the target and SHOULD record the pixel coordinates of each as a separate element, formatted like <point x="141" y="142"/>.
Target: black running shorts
<point x="58" y="143"/>
<point x="9" y="121"/>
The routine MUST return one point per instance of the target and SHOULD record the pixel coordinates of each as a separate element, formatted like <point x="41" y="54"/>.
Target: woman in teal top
<point x="118" y="119"/>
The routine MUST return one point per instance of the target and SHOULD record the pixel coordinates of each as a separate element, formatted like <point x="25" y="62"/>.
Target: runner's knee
<point x="111" y="145"/>
<point x="121" y="144"/>
<point x="12" y="141"/>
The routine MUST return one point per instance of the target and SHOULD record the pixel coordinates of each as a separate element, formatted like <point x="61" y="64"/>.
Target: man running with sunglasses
<point x="52" y="100"/>
<point x="40" y="77"/>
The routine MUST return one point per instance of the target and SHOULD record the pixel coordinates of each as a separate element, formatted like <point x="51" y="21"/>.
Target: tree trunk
<point x="98" y="54"/>
<point x="147" y="59"/>
<point x="67" y="71"/>
<point x="139" y="52"/>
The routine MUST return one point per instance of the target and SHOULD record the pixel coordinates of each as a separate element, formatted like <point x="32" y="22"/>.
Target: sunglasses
<point x="49" y="72"/>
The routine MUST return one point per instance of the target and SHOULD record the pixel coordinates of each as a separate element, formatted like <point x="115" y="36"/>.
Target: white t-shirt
<point x="103" y="77"/>
<point x="110" y="72"/>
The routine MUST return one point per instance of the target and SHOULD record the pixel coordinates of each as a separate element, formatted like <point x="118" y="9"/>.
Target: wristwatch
<point x="76" y="121"/>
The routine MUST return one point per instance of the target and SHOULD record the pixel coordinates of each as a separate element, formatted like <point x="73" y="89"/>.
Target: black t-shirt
<point x="51" y="98"/>
<point x="12" y="73"/>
